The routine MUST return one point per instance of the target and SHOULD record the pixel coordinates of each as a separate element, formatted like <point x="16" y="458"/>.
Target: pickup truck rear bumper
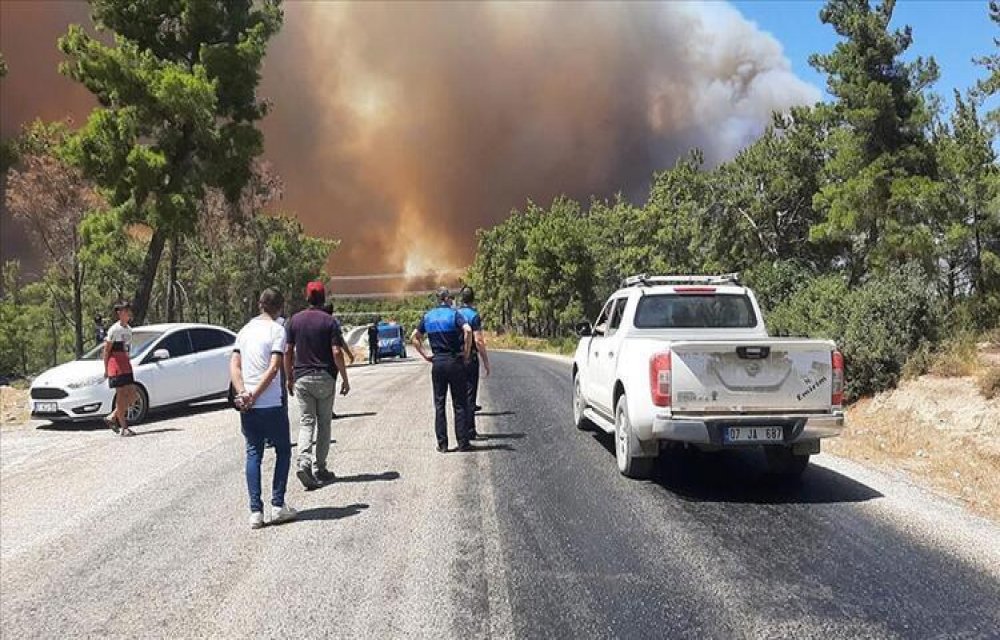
<point x="709" y="429"/>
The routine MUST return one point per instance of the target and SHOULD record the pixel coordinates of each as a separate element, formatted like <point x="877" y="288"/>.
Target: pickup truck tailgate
<point x="757" y="376"/>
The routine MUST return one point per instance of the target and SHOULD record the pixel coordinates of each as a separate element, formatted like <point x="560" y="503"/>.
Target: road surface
<point x="534" y="536"/>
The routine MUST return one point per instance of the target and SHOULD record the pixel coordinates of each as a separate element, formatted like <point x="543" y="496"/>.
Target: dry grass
<point x="957" y="358"/>
<point x="988" y="382"/>
<point x="937" y="429"/>
<point x="13" y="406"/>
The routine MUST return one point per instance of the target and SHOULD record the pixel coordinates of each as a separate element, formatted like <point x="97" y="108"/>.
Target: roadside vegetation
<point x="872" y="219"/>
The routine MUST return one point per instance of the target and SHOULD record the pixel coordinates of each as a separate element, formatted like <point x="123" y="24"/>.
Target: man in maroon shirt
<point x="313" y="359"/>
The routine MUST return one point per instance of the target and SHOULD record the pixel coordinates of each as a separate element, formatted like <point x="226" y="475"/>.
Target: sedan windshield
<point x="140" y="342"/>
<point x="687" y="311"/>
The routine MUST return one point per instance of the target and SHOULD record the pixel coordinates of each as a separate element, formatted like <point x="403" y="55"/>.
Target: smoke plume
<point x="401" y="128"/>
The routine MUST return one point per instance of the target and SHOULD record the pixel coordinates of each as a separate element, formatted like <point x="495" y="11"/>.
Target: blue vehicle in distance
<point x="390" y="340"/>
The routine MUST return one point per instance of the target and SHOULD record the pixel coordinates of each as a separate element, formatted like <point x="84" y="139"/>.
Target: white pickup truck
<point x="687" y="359"/>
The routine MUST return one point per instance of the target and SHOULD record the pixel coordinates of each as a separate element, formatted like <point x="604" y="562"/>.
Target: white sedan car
<point x="173" y="364"/>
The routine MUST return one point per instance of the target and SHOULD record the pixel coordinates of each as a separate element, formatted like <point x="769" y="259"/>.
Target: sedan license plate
<point x="754" y="434"/>
<point x="46" y="407"/>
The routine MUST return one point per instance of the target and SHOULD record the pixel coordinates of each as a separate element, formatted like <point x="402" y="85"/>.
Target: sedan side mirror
<point x="161" y="354"/>
<point x="583" y="329"/>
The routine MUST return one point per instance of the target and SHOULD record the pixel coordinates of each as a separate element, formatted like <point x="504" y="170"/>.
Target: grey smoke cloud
<point x="401" y="128"/>
<point x="404" y="127"/>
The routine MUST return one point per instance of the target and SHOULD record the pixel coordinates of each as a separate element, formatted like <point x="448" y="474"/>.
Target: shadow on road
<point x="155" y="416"/>
<point x="331" y="513"/>
<point x="741" y="476"/>
<point x="362" y="414"/>
<point x="139" y="431"/>
<point x="503" y="436"/>
<point x="368" y="477"/>
<point x="476" y="447"/>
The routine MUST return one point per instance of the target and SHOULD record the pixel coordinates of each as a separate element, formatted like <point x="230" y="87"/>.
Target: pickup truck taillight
<point x="659" y="378"/>
<point x="837" y="388"/>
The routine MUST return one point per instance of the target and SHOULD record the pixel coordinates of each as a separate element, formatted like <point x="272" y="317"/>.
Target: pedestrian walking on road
<point x="313" y="358"/>
<point x="373" y="342"/>
<point x="257" y="358"/>
<point x="118" y="368"/>
<point x="451" y="344"/>
<point x="467" y="298"/>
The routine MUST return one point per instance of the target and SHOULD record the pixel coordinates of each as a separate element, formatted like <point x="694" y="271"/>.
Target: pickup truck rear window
<point x="689" y="311"/>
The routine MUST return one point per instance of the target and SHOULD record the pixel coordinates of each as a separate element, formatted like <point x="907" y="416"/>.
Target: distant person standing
<point x="467" y="297"/>
<point x="118" y="368"/>
<point x="253" y="369"/>
<point x="373" y="342"/>
<point x="451" y="344"/>
<point x="99" y="333"/>
<point x="328" y="307"/>
<point x="313" y="358"/>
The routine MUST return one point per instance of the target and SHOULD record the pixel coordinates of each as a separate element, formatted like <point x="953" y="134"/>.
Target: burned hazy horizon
<point x="402" y="128"/>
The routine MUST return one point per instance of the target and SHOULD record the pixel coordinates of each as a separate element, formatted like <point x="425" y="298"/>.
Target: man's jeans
<point x="269" y="424"/>
<point x="448" y="373"/>
<point x="472" y="391"/>
<point x="315" y="394"/>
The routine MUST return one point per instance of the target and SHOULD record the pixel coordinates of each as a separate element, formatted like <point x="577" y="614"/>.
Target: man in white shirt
<point x="257" y="358"/>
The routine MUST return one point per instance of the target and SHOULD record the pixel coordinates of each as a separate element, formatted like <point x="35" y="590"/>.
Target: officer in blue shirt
<point x="467" y="297"/>
<point x="451" y="343"/>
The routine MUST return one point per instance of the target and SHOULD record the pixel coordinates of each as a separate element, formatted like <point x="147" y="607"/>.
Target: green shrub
<point x="890" y="317"/>
<point x="775" y="282"/>
<point x="878" y="326"/>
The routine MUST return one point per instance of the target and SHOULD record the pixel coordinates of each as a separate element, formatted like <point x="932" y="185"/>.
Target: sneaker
<point x="256" y="520"/>
<point x="284" y="513"/>
<point x="306" y="477"/>
<point x="325" y="475"/>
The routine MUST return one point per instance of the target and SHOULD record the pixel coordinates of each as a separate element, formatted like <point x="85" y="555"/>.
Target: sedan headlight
<point x="86" y="382"/>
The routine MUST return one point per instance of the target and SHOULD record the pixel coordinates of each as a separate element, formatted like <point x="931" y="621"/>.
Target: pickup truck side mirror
<point x="583" y="329"/>
<point x="161" y="354"/>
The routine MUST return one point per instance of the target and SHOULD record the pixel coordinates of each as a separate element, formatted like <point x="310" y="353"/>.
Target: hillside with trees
<point x="872" y="218"/>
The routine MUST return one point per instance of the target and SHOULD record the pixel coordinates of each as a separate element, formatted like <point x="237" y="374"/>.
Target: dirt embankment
<point x="942" y="431"/>
<point x="13" y="406"/>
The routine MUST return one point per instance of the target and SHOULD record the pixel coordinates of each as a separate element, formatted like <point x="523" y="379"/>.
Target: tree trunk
<point x="172" y="281"/>
<point x="149" y="267"/>
<point x="77" y="296"/>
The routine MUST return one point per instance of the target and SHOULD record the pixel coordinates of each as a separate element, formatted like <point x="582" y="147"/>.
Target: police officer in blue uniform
<point x="451" y="343"/>
<point x="467" y="297"/>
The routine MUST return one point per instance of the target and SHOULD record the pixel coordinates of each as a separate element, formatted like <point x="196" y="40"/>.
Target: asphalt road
<point x="534" y="536"/>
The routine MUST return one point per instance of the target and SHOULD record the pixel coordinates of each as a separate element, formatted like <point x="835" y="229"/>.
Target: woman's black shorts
<point x="121" y="381"/>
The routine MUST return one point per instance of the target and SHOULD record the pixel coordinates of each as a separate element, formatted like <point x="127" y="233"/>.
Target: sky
<point x="952" y="31"/>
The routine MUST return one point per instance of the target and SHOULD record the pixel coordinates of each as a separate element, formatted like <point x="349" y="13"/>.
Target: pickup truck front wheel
<point x="630" y="463"/>
<point x="781" y="461"/>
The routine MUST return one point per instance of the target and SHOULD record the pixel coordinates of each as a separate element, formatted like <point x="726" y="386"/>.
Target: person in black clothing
<point x="373" y="342"/>
<point x="451" y="343"/>
<point x="471" y="315"/>
<point x="99" y="332"/>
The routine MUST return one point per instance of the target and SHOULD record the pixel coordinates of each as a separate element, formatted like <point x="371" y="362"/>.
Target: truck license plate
<point x="754" y="434"/>
<point x="46" y="407"/>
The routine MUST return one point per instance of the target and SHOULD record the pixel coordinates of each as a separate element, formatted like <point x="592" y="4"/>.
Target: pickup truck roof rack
<point x="644" y="280"/>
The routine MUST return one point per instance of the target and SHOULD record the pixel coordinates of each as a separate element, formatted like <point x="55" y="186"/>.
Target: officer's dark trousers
<point x="448" y="373"/>
<point x="472" y="391"/>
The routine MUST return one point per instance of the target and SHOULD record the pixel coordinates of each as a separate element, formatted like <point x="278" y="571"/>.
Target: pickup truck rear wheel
<point x="579" y="404"/>
<point x="630" y="464"/>
<point x="781" y="461"/>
